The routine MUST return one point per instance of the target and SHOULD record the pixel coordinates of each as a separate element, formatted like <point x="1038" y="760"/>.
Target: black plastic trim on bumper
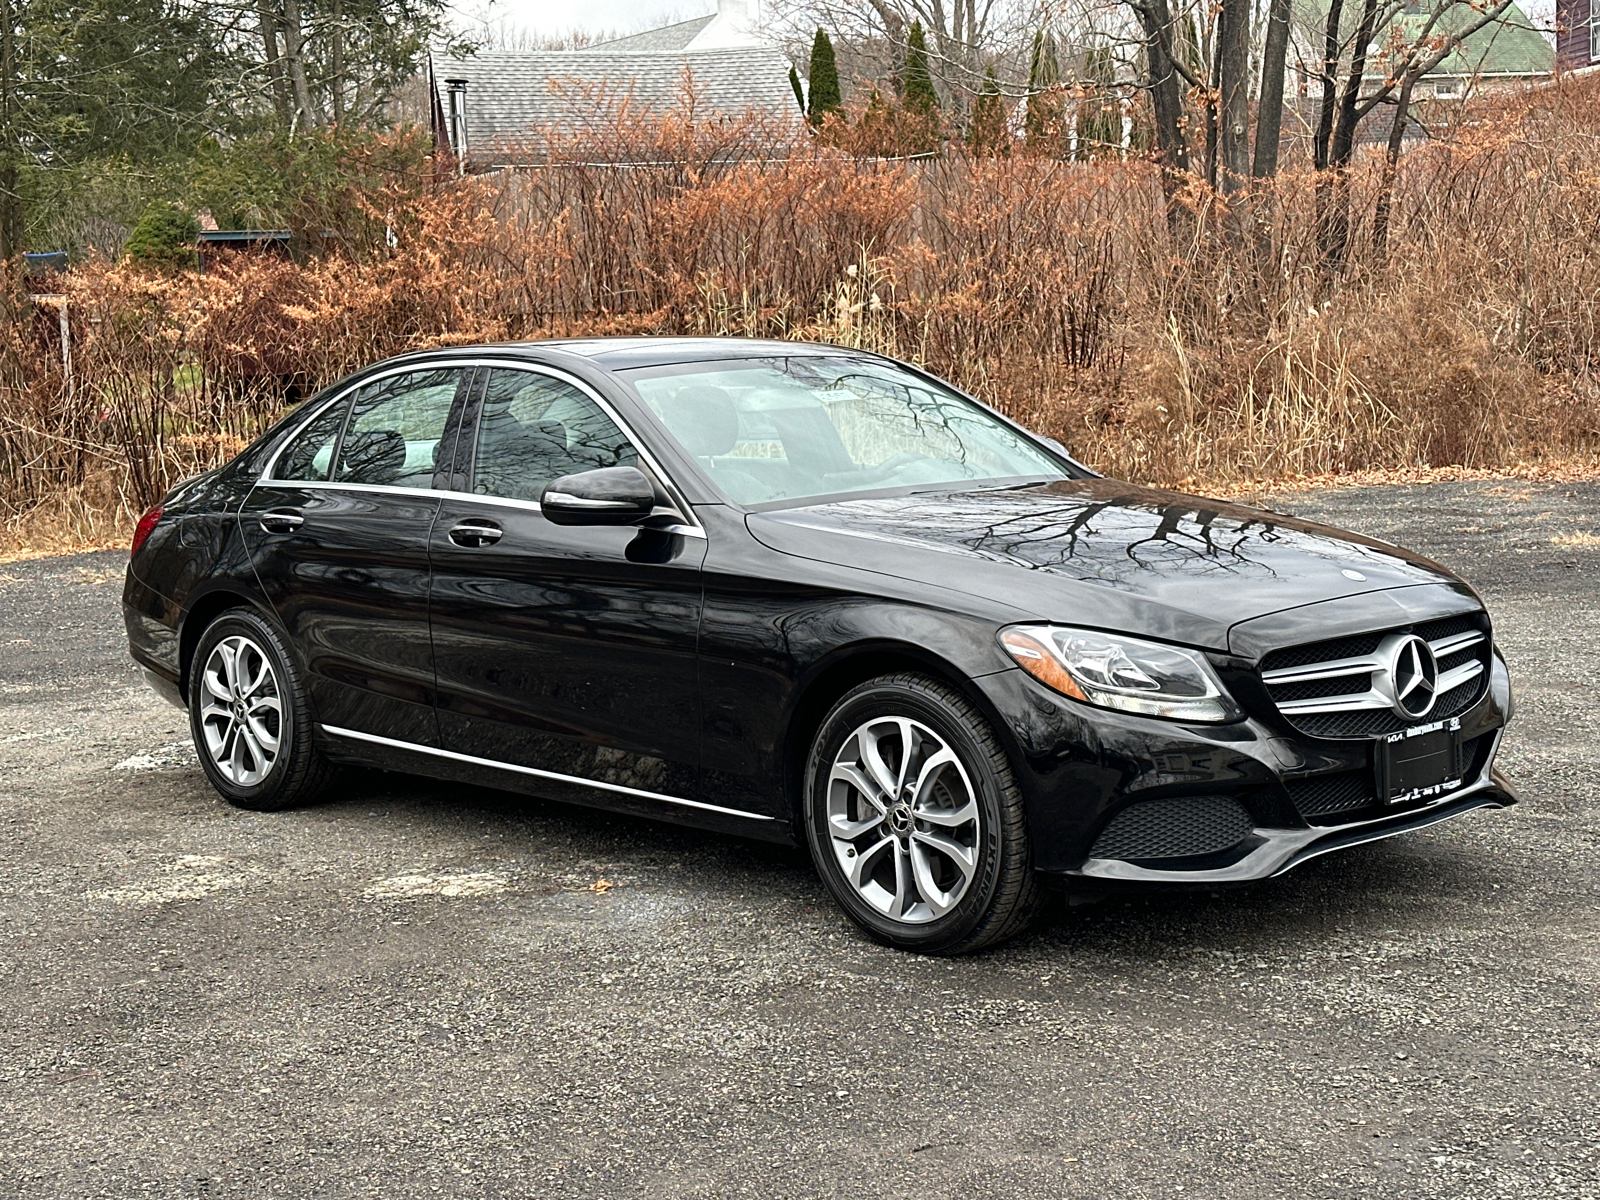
<point x="163" y="687"/>
<point x="1278" y="850"/>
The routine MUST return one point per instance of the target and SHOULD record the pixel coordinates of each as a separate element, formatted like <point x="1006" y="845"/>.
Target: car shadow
<point x="1408" y="883"/>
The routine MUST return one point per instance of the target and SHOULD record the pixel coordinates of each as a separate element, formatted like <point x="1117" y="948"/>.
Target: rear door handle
<point x="473" y="534"/>
<point x="281" y="520"/>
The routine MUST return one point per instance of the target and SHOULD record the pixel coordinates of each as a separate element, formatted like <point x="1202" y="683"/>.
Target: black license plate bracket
<point x="1419" y="764"/>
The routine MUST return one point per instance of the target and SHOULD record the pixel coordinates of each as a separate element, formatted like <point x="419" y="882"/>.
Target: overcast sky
<point x="559" y="16"/>
<point x="631" y="16"/>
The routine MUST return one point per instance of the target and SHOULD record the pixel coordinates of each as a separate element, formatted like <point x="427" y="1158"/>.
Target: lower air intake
<point x="1182" y="827"/>
<point x="1327" y="794"/>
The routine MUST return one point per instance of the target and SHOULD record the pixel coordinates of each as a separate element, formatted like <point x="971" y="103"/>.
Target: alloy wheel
<point x="241" y="711"/>
<point x="903" y="819"/>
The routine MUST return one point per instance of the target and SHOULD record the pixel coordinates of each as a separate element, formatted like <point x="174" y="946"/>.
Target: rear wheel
<point x="249" y="717"/>
<point x="915" y="821"/>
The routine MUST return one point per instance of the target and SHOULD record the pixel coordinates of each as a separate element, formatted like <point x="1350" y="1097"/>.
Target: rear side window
<point x="536" y="428"/>
<point x="310" y="454"/>
<point x="396" y="427"/>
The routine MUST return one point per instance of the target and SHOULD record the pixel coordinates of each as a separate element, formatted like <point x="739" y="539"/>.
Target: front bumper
<point x="1274" y="851"/>
<point x="1081" y="766"/>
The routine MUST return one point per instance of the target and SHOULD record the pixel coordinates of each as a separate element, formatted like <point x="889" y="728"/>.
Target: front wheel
<point x="250" y="719"/>
<point x="915" y="820"/>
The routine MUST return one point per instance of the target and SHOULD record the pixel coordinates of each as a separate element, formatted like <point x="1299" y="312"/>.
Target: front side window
<point x="308" y="457"/>
<point x="786" y="430"/>
<point x="395" y="429"/>
<point x="536" y="428"/>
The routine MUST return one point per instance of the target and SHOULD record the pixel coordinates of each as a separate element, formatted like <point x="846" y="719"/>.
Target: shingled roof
<point x="513" y="97"/>
<point x="667" y="38"/>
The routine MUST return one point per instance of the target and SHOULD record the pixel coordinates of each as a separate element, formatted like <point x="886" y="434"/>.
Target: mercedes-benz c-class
<point x="812" y="595"/>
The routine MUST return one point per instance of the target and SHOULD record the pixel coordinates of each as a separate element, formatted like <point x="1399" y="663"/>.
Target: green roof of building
<point x="1508" y="46"/>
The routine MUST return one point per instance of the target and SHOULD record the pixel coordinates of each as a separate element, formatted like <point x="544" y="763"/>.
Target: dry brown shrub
<point x="1156" y="349"/>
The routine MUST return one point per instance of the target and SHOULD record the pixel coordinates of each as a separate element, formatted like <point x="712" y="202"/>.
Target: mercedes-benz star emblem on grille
<point x="1413" y="677"/>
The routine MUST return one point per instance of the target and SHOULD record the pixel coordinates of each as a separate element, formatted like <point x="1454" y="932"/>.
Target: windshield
<point x="784" y="430"/>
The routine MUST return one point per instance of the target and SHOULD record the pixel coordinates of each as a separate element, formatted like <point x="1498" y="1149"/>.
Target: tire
<point x="935" y="858"/>
<point x="242" y="667"/>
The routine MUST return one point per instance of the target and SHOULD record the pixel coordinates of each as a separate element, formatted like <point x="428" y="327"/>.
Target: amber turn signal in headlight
<point x="1034" y="658"/>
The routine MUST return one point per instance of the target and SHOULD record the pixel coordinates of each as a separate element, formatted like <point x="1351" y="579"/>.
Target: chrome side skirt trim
<point x="538" y="774"/>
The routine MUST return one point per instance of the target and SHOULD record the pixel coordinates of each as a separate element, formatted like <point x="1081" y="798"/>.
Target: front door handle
<point x="281" y="520"/>
<point x="474" y="534"/>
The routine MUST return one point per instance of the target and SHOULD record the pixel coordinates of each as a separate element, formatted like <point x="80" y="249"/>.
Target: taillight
<point x="141" y="531"/>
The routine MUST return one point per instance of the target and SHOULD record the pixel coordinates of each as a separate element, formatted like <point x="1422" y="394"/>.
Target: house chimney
<point x="457" y="89"/>
<point x="735" y="12"/>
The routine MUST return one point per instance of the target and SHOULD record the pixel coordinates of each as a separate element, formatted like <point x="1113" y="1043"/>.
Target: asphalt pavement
<point x="417" y="989"/>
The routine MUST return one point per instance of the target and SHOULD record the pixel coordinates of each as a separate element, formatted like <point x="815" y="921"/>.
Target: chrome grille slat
<point x="1447" y="646"/>
<point x="1456" y="676"/>
<point x="1332" y="704"/>
<point x="1328" y="670"/>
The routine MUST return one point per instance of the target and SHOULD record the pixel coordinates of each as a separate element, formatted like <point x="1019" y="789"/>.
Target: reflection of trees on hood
<point x="1105" y="533"/>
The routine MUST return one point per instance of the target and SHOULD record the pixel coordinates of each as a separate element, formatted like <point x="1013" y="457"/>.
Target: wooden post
<point x="60" y="303"/>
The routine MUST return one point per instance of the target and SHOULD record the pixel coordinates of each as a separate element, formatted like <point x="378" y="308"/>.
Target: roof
<point x="621" y="353"/>
<point x="1509" y="46"/>
<point x="234" y="237"/>
<point x="628" y="353"/>
<point x="512" y="94"/>
<point x="666" y="39"/>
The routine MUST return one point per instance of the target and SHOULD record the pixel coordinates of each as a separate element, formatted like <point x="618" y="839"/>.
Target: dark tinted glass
<point x="536" y="428"/>
<point x="309" y="455"/>
<point x="395" y="429"/>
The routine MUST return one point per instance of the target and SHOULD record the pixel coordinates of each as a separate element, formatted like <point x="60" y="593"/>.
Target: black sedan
<point x="812" y="595"/>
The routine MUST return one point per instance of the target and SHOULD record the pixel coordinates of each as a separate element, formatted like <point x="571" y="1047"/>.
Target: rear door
<point x="567" y="650"/>
<point x="338" y="532"/>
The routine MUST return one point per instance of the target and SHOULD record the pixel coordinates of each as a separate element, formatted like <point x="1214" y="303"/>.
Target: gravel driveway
<point x="417" y="989"/>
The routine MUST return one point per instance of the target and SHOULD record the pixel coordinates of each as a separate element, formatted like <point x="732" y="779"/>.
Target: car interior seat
<point x="705" y="421"/>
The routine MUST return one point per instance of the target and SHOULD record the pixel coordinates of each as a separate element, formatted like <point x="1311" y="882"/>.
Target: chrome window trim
<point x="384" y="489"/>
<point x="494" y="764"/>
<point x="690" y="528"/>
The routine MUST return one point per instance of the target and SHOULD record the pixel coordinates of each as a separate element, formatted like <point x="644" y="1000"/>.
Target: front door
<point x="566" y="650"/>
<point x="338" y="534"/>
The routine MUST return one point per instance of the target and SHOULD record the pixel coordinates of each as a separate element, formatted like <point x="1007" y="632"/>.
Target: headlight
<point x="1121" y="672"/>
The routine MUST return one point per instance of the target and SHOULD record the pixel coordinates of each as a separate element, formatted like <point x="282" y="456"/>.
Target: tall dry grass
<point x="1059" y="291"/>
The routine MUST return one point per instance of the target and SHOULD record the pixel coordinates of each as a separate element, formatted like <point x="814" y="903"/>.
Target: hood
<point x="1101" y="553"/>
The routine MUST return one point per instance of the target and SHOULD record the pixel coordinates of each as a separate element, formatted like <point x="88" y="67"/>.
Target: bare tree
<point x="1364" y="88"/>
<point x="965" y="38"/>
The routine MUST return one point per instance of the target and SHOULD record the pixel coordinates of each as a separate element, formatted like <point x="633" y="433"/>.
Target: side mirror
<point x="606" y="496"/>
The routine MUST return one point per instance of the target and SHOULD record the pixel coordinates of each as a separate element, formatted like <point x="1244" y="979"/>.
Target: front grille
<point x="1331" y="689"/>
<point x="1339" y="793"/>
<point x="1181" y="827"/>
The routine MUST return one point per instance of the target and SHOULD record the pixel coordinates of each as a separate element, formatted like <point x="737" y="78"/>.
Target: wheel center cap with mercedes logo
<point x="1413" y="677"/>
